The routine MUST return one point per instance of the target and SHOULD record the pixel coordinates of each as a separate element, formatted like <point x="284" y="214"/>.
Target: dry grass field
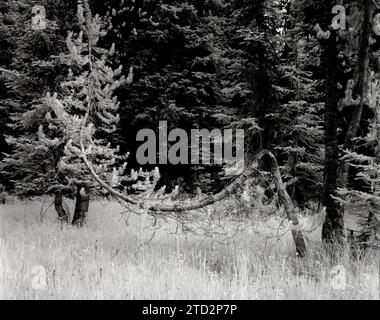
<point x="112" y="258"/>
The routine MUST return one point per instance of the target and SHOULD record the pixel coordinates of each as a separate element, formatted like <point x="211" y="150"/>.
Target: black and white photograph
<point x="189" y="150"/>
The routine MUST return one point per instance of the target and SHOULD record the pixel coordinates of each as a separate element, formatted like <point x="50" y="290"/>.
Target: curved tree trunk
<point x="81" y="206"/>
<point x="63" y="215"/>
<point x="285" y="199"/>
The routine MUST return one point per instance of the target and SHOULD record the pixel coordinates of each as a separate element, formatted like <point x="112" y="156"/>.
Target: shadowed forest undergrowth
<point x="116" y="257"/>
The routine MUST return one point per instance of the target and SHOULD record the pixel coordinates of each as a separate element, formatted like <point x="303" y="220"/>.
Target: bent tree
<point x="156" y="203"/>
<point x="337" y="45"/>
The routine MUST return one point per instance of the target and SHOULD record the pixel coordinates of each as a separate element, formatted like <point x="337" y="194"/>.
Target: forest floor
<point x="113" y="257"/>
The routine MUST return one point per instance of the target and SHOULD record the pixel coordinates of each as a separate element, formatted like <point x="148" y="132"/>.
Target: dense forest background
<point x="304" y="90"/>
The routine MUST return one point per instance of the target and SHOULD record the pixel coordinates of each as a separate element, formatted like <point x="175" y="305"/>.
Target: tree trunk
<point x="362" y="87"/>
<point x="81" y="206"/>
<point x="287" y="202"/>
<point x="333" y="228"/>
<point x="63" y="215"/>
<point x="369" y="232"/>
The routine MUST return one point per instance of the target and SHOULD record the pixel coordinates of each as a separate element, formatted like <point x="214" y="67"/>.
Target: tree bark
<point x="333" y="228"/>
<point x="362" y="87"/>
<point x="285" y="199"/>
<point x="369" y="233"/>
<point x="81" y="206"/>
<point x="63" y="215"/>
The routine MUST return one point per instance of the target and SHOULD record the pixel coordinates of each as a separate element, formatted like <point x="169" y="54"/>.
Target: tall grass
<point x="112" y="258"/>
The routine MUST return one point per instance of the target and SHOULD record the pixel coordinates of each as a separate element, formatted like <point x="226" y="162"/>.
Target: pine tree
<point x="46" y="157"/>
<point x="256" y="44"/>
<point x="176" y="63"/>
<point x="30" y="38"/>
<point x="299" y="134"/>
<point x="345" y="58"/>
<point x="365" y="201"/>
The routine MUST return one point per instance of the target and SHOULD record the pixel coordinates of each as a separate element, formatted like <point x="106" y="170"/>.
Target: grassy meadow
<point x="115" y="257"/>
